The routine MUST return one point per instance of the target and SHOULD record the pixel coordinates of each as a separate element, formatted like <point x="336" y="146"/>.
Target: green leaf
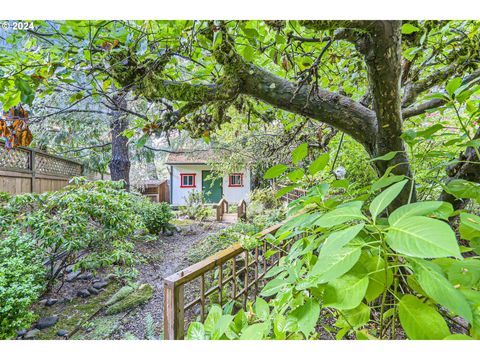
<point x="274" y="286"/>
<point x="385" y="181"/>
<point x="300" y="153"/>
<point x="319" y="163"/>
<point x="385" y="198"/>
<point x="213" y="317"/>
<point x="254" y="332"/>
<point x="388" y="156"/>
<point x="469" y="226"/>
<point x="221" y="326"/>
<point x="196" y="331"/>
<point x="421" y="321"/>
<point x="354" y="318"/>
<point x="248" y="53"/>
<point x="463" y="189"/>
<point x="458" y="337"/>
<point x="296" y="175"/>
<point x="438" y="288"/>
<point x="423" y="237"/>
<point x="342" y="214"/>
<point x="141" y="142"/>
<point x="285" y="190"/>
<point x="262" y="310"/>
<point x="346" y="292"/>
<point x="380" y="279"/>
<point x="306" y="316"/>
<point x="275" y="171"/>
<point x="453" y="85"/>
<point x="331" y="266"/>
<point x="279" y="327"/>
<point x="465" y="273"/>
<point x="420" y="209"/>
<point x="339" y="239"/>
<point x="428" y="132"/>
<point x="409" y="28"/>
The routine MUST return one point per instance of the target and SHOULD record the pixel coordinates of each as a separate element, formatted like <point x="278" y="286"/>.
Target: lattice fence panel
<point x="17" y="159"/>
<point x="49" y="165"/>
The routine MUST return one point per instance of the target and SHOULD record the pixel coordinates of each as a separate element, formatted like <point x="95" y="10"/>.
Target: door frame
<point x="221" y="183"/>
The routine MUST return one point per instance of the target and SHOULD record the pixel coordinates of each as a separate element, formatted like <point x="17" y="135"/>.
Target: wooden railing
<point x="291" y="195"/>
<point x="222" y="208"/>
<point x="229" y="275"/>
<point x="242" y="210"/>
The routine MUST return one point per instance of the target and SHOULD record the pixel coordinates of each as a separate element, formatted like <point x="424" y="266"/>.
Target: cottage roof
<point x="189" y="157"/>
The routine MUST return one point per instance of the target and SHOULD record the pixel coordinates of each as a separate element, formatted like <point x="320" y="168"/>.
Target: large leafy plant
<point x="376" y="273"/>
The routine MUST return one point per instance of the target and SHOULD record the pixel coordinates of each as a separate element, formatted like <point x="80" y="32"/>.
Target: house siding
<point x="179" y="194"/>
<point x="236" y="194"/>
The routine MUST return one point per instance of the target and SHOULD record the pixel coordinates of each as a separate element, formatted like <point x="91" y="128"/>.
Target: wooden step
<point x="229" y="218"/>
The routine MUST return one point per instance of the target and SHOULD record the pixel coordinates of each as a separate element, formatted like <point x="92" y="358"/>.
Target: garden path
<point x="164" y="258"/>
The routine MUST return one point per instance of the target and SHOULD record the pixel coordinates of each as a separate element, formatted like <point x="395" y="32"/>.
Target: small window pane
<point x="187" y="180"/>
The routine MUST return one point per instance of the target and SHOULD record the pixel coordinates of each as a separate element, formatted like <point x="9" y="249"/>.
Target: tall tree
<point x="364" y="78"/>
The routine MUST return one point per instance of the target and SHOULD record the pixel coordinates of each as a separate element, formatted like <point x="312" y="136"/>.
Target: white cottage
<point x="190" y="171"/>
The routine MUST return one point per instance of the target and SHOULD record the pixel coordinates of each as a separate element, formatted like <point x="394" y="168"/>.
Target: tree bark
<point x="468" y="169"/>
<point x="120" y="163"/>
<point x="383" y="57"/>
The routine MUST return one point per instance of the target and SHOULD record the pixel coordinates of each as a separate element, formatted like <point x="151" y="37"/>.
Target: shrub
<point x="95" y="219"/>
<point x="213" y="243"/>
<point x="21" y="282"/>
<point x="155" y="216"/>
<point x="195" y="207"/>
<point x="266" y="197"/>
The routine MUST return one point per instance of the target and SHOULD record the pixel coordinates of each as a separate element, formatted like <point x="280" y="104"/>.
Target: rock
<point x="83" y="293"/>
<point x="100" y="284"/>
<point x="72" y="276"/>
<point x="31" y="334"/>
<point x="93" y="291"/>
<point x="43" y="302"/>
<point x="69" y="269"/>
<point x="21" y="332"/>
<point x="85" y="276"/>
<point x="51" y="302"/>
<point x="111" y="277"/>
<point x="120" y="294"/>
<point x="62" y="333"/>
<point x="138" y="297"/>
<point x="168" y="232"/>
<point x="46" y="322"/>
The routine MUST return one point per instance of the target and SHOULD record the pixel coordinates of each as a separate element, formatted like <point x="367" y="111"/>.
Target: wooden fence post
<point x="33" y="168"/>
<point x="173" y="312"/>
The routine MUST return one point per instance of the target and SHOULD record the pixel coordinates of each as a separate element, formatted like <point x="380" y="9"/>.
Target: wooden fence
<point x="25" y="170"/>
<point x="230" y="275"/>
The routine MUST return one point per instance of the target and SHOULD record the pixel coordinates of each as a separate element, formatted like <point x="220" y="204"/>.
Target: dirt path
<point x="165" y="257"/>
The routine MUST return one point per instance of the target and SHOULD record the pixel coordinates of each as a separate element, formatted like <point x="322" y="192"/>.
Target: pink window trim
<point x="230" y="180"/>
<point x="188" y="186"/>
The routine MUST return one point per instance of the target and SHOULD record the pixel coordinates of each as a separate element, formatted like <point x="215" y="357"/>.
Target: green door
<point x="212" y="188"/>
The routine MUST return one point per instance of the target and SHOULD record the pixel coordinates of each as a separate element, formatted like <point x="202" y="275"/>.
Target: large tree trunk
<point x="467" y="168"/>
<point x="383" y="57"/>
<point x="120" y="163"/>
